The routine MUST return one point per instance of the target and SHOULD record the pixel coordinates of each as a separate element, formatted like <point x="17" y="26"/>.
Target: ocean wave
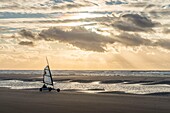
<point x="91" y="72"/>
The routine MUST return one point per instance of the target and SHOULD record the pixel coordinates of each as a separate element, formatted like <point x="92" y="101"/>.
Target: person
<point x="44" y="86"/>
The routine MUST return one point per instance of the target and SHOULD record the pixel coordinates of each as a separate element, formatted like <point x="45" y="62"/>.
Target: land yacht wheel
<point x="40" y="89"/>
<point x="58" y="90"/>
<point x="49" y="89"/>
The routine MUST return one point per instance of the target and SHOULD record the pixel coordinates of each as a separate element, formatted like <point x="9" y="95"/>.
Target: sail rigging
<point x="47" y="77"/>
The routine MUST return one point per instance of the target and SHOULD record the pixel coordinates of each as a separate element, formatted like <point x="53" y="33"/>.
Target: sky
<point x="85" y="34"/>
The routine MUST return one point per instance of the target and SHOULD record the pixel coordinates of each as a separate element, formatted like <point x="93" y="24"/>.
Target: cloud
<point x="8" y="15"/>
<point x="26" y="33"/>
<point x="89" y="41"/>
<point x="150" y="6"/>
<point x="136" y="40"/>
<point x="73" y="4"/>
<point x="11" y="7"/>
<point x="160" y="13"/>
<point x="164" y="43"/>
<point x="62" y="1"/>
<point x="79" y="37"/>
<point x="128" y="39"/>
<point x="125" y="26"/>
<point x="166" y="31"/>
<point x="90" y="2"/>
<point x="28" y="43"/>
<point x="18" y="5"/>
<point x="133" y="40"/>
<point x="134" y="22"/>
<point x="157" y="11"/>
<point x="166" y="6"/>
<point x="115" y="2"/>
<point x="137" y="4"/>
<point x="139" y="20"/>
<point x="43" y="6"/>
<point x="69" y="6"/>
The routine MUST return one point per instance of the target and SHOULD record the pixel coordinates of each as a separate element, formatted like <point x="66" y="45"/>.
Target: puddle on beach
<point x="91" y="87"/>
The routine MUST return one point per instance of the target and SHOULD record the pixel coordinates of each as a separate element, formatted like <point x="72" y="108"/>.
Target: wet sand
<point x="33" y="101"/>
<point x="86" y="79"/>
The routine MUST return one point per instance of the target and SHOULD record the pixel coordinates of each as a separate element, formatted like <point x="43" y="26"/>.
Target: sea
<point x="153" y="73"/>
<point x="161" y="87"/>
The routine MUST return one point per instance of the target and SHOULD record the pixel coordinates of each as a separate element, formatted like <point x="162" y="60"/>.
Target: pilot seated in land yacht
<point x="44" y="86"/>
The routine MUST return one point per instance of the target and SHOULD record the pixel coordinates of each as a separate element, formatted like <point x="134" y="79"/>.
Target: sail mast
<point x="47" y="61"/>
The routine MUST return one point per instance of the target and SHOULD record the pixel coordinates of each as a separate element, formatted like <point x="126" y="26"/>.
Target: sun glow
<point x="81" y="15"/>
<point x="85" y="34"/>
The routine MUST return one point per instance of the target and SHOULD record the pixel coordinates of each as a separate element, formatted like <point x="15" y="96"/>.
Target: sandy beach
<point x="69" y="101"/>
<point x="33" y="101"/>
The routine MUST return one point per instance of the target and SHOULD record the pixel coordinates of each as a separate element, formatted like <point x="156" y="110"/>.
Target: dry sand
<point x="33" y="101"/>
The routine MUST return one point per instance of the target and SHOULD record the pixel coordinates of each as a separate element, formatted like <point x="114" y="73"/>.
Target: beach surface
<point x="33" y="101"/>
<point x="71" y="101"/>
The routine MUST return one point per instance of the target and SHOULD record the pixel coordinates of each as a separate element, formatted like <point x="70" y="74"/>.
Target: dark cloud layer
<point x="28" y="43"/>
<point x="125" y="26"/>
<point x="133" y="40"/>
<point x="26" y="33"/>
<point x="135" y="23"/>
<point x="78" y="37"/>
<point x="164" y="43"/>
<point x="91" y="41"/>
<point x="139" y="20"/>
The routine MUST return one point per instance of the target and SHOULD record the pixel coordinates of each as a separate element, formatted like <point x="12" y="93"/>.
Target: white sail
<point x="47" y="78"/>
